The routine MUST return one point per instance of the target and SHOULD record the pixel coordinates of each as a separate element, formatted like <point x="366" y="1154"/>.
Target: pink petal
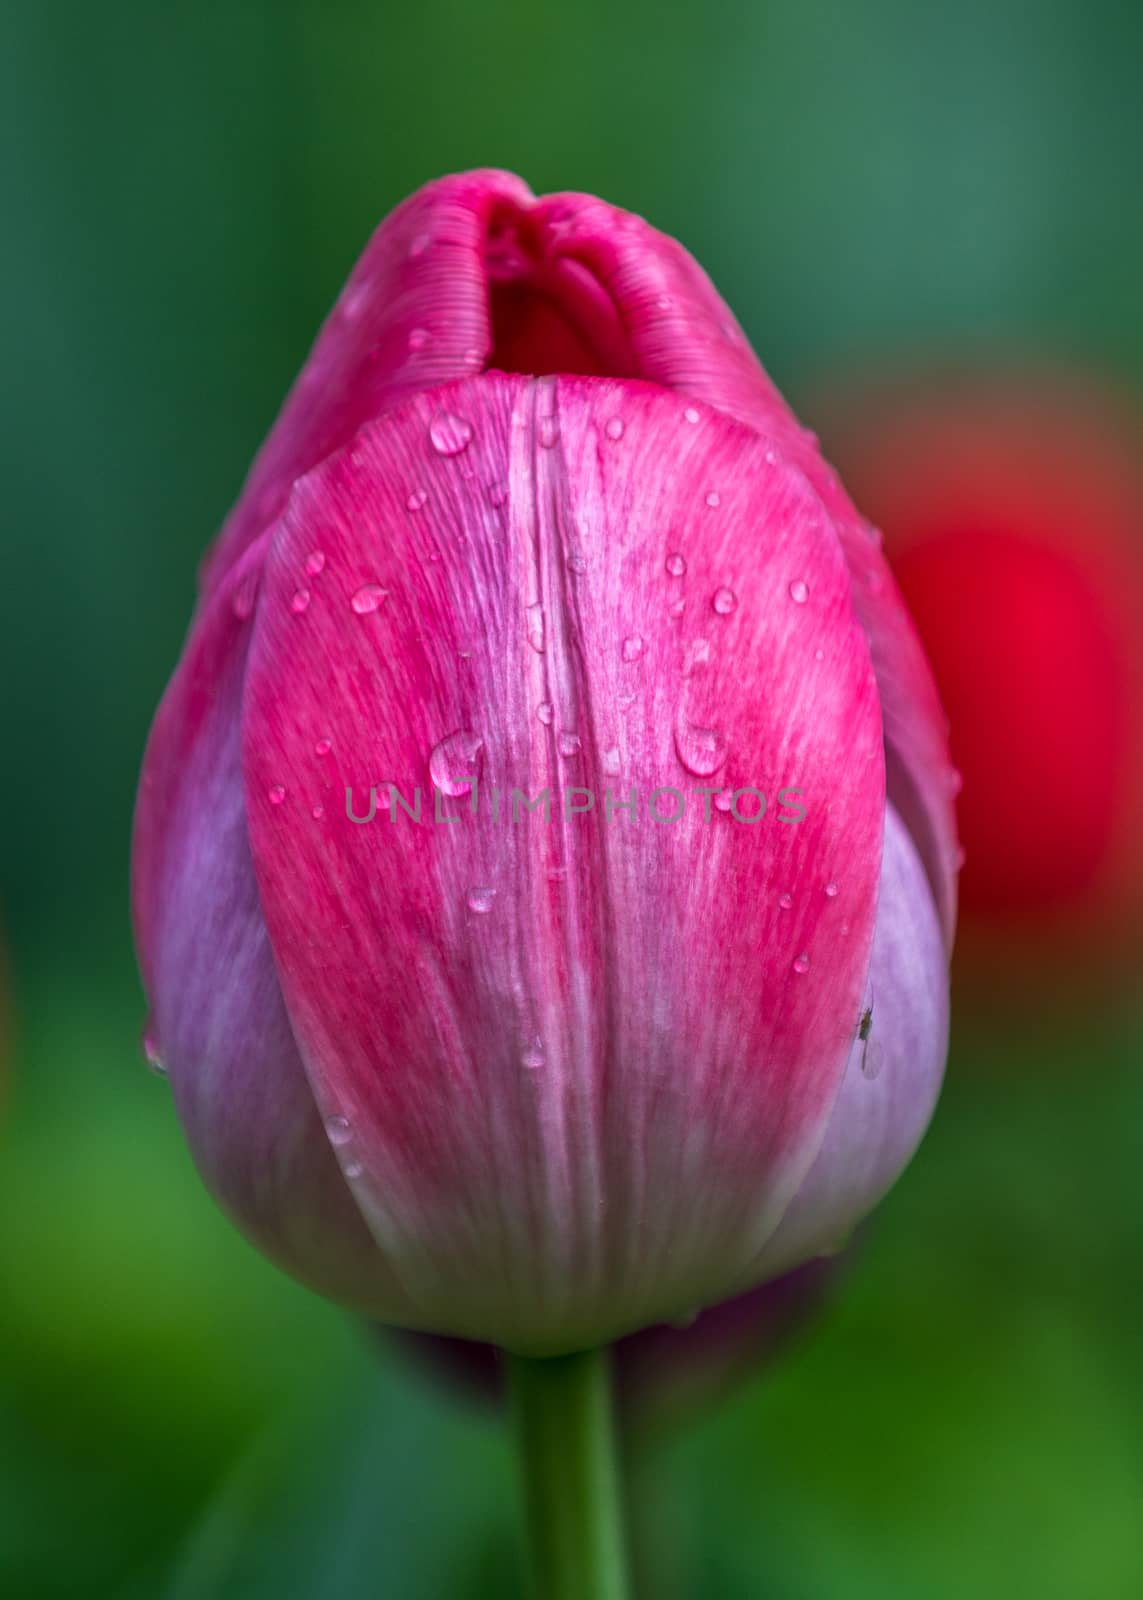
<point x="414" y="313"/>
<point x="584" y="1066"/>
<point x="893" y="1078"/>
<point x="217" y="1009"/>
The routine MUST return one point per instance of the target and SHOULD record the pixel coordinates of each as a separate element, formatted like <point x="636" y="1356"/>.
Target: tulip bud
<point x="544" y="860"/>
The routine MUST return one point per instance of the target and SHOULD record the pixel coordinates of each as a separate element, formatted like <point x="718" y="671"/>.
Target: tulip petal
<point x="682" y="335"/>
<point x="217" y="1010"/>
<point x="893" y="1077"/>
<point x="583" y="1064"/>
<point x="413" y="313"/>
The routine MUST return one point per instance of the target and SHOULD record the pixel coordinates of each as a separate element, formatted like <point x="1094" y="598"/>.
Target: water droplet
<point x="724" y="799"/>
<point x="614" y="428"/>
<point x="632" y="647"/>
<point x="276" y="794"/>
<point x="698" y="656"/>
<point x="664" y="302"/>
<point x="353" y="1169"/>
<point x="420" y="244"/>
<point x="831" y="890"/>
<point x="315" y="562"/>
<point x="481" y="900"/>
<point x="844" y="930"/>
<point x="713" y="499"/>
<point x="370" y="597"/>
<point x="338" y="1130"/>
<point x="724" y="601"/>
<point x="418" y="338"/>
<point x="318" y="813"/>
<point x="625" y="700"/>
<point x="536" y="627"/>
<point x="453" y="760"/>
<point x="449" y="434"/>
<point x="802" y="963"/>
<point x="701" y="750"/>
<point x="819" y="654"/>
<point x="533" y="1055"/>
<point x="799" y="592"/>
<point x="549" y="431"/>
<point x="544" y="712"/>
<point x="611" y="761"/>
<point x="569" y="744"/>
<point x="691" y="414"/>
<point x="300" y="601"/>
<point x="785" y="901"/>
<point x="676" y="565"/>
<point x="152" y="1055"/>
<point x="323" y="747"/>
<point x="577" y="562"/>
<point x="417" y="499"/>
<point x="497" y="494"/>
<point x="676" y="608"/>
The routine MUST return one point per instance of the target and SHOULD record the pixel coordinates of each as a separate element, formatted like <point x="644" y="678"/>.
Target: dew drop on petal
<point x="338" y="1130"/>
<point x="323" y="747"/>
<point x="785" y="901"/>
<point x="533" y="1055"/>
<point x="724" y="601"/>
<point x="353" y="1169"/>
<point x="418" y="338"/>
<point x="276" y="794"/>
<point x="244" y="596"/>
<point x="831" y="890"/>
<point x="691" y="414"/>
<point x="676" y="608"/>
<point x="676" y="565"/>
<point x="452" y="762"/>
<point x="370" y="597"/>
<point x="449" y="434"/>
<point x="315" y="562"/>
<point x="632" y="647"/>
<point x="417" y="499"/>
<point x="577" y="562"/>
<point x="544" y="712"/>
<point x="300" y="601"/>
<point x="723" y="799"/>
<point x="614" y="428"/>
<point x="481" y="900"/>
<point x="536" y="627"/>
<point x="569" y="744"/>
<point x="799" y="592"/>
<point x="713" y="499"/>
<point x="497" y="493"/>
<point x="701" y="750"/>
<point x="318" y="813"/>
<point x="819" y="654"/>
<point x="611" y="761"/>
<point x="420" y="244"/>
<point x="802" y="963"/>
<point x="549" y="431"/>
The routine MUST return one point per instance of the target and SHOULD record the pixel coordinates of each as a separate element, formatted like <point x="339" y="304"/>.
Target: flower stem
<point x="565" y="1442"/>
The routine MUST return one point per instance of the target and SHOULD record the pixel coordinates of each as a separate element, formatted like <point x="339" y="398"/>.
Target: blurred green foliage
<point x="187" y="186"/>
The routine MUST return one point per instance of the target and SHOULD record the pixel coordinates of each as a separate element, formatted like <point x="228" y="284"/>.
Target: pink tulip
<point x="537" y="1082"/>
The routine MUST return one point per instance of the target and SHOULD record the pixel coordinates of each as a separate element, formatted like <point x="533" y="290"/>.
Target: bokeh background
<point x="870" y="184"/>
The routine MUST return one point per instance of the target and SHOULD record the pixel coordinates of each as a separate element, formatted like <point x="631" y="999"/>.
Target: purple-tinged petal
<point x="893" y="1077"/>
<point x="554" y="1133"/>
<point x="217" y="1012"/>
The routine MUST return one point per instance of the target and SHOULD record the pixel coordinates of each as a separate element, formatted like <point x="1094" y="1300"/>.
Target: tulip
<point x="533" y="521"/>
<point x="1012" y="505"/>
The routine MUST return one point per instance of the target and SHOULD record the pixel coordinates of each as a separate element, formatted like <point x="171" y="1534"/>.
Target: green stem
<point x="565" y="1442"/>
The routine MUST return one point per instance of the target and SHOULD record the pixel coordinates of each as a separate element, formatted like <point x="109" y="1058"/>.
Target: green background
<point x="187" y="186"/>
